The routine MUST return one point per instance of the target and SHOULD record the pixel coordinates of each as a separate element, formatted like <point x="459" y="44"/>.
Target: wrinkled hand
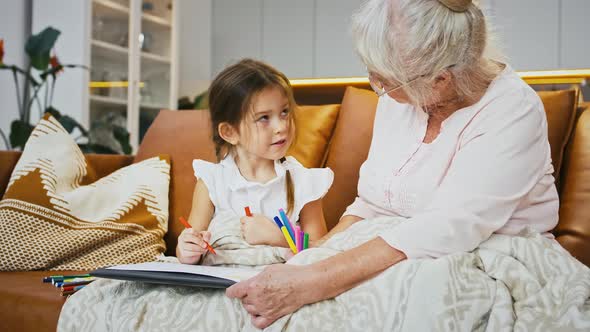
<point x="277" y="291"/>
<point x="258" y="229"/>
<point x="191" y="245"/>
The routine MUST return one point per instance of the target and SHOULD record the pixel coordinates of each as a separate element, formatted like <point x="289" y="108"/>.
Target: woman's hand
<point x="284" y="288"/>
<point x="258" y="229"/>
<point x="191" y="245"/>
<point x="277" y="291"/>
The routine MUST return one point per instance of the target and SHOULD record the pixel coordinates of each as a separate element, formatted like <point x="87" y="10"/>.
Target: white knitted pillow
<point x="48" y="220"/>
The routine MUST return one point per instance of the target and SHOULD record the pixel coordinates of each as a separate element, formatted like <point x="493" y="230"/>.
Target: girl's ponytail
<point x="290" y="188"/>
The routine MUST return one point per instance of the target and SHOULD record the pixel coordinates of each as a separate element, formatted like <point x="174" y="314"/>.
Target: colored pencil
<point x="66" y="293"/>
<point x="301" y="240"/>
<point x="298" y="238"/>
<point x="187" y="225"/>
<point x="61" y="281"/>
<point x="51" y="278"/>
<point x="289" y="240"/>
<point x="70" y="288"/>
<point x="278" y="222"/>
<point x="287" y="223"/>
<point x="305" y="241"/>
<point x="74" y="283"/>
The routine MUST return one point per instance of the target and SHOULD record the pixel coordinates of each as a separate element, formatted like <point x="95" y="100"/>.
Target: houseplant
<point x="40" y="78"/>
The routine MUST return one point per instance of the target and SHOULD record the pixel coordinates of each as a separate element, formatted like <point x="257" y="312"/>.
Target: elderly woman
<point x="459" y="148"/>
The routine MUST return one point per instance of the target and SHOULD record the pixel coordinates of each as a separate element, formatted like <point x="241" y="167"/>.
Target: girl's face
<point x="265" y="131"/>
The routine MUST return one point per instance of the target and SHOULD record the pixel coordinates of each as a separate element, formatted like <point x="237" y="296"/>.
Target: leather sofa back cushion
<point x="573" y="230"/>
<point x="176" y="134"/>
<point x="560" y="108"/>
<point x="348" y="150"/>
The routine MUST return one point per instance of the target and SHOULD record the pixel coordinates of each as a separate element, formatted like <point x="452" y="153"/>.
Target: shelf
<point x="108" y="100"/>
<point x="151" y="106"/>
<point x="118" y="61"/>
<point x="106" y="49"/>
<point x="155" y="58"/>
<point x="110" y="8"/>
<point x="157" y="20"/>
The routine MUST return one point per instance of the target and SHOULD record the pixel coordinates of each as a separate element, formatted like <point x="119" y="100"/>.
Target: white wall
<point x="72" y="18"/>
<point x="15" y="28"/>
<point x="312" y="38"/>
<point x="333" y="51"/>
<point x="195" y="46"/>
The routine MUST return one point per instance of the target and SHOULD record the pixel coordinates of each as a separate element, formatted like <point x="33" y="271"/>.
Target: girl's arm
<point x="312" y="220"/>
<point x="258" y="229"/>
<point x="202" y="208"/>
<point x="343" y="224"/>
<point x="190" y="242"/>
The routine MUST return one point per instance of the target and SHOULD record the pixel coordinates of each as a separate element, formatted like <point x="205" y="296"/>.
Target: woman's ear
<point x="443" y="80"/>
<point x="228" y="133"/>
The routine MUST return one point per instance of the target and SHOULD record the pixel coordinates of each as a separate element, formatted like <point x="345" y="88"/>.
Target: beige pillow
<point x="49" y="221"/>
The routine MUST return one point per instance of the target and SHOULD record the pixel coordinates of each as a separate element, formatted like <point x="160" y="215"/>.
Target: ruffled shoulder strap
<point x="310" y="183"/>
<point x="209" y="173"/>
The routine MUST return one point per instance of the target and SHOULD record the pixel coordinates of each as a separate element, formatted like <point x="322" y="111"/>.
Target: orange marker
<point x="187" y="225"/>
<point x="248" y="213"/>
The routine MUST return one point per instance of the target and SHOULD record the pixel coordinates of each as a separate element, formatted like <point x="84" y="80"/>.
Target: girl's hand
<point x="191" y="245"/>
<point x="258" y="229"/>
<point x="278" y="290"/>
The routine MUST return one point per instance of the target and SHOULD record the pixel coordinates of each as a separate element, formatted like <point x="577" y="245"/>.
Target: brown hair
<point x="230" y="99"/>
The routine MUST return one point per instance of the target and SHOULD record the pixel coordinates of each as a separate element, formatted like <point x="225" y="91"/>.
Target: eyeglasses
<point x="379" y="88"/>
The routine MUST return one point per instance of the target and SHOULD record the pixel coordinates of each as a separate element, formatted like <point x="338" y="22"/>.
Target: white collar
<point x="237" y="180"/>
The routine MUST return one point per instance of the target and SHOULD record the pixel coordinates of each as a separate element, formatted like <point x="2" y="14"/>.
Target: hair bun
<point x="456" y="5"/>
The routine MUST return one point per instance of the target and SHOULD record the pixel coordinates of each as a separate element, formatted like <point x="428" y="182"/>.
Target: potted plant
<point x="42" y="72"/>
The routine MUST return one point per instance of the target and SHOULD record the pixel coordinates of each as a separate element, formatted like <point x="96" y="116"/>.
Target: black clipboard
<point x="166" y="273"/>
<point x="164" y="278"/>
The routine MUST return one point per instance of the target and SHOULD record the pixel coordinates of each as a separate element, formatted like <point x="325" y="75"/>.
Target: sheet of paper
<point x="230" y="273"/>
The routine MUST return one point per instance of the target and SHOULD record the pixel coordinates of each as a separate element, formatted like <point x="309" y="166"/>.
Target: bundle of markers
<point x="296" y="238"/>
<point x="69" y="284"/>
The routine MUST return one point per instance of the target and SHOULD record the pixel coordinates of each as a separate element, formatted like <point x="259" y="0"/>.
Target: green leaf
<point x="55" y="113"/>
<point x="96" y="148"/>
<point x="38" y="47"/>
<point x="69" y="123"/>
<point x="122" y="136"/>
<point x="66" y="121"/>
<point x="202" y="101"/>
<point x="19" y="133"/>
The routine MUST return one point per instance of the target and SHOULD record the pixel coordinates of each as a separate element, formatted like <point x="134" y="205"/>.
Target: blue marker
<point x="278" y="222"/>
<point x="287" y="223"/>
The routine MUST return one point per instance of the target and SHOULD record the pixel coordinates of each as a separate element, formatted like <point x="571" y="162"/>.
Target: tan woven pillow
<point x="48" y="221"/>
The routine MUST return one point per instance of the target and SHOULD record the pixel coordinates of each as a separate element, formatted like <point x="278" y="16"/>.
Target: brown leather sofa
<point x="345" y="131"/>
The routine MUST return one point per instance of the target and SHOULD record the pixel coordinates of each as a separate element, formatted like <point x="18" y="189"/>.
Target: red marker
<point x="187" y="225"/>
<point x="248" y="213"/>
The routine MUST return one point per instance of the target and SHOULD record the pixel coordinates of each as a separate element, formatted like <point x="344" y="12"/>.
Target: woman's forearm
<point x="342" y="272"/>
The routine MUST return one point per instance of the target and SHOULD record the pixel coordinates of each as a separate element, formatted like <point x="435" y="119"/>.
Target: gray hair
<point x="404" y="39"/>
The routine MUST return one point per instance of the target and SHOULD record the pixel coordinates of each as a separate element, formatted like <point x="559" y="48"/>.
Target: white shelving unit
<point x="133" y="76"/>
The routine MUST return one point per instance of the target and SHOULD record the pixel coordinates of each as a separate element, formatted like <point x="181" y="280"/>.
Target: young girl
<point x="251" y="106"/>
